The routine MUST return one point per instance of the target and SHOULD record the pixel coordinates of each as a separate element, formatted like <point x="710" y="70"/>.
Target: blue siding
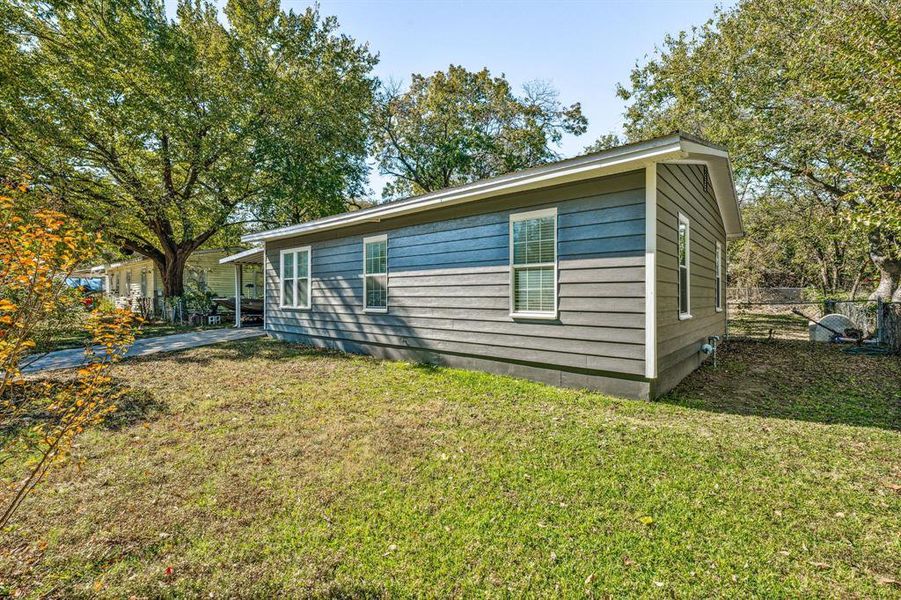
<point x="449" y="284"/>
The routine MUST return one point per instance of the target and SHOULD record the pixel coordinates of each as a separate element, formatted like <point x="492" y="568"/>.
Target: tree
<point x="605" y="142"/>
<point x="457" y="126"/>
<point x="39" y="249"/>
<point x="163" y="134"/>
<point x="776" y="252"/>
<point x="806" y="95"/>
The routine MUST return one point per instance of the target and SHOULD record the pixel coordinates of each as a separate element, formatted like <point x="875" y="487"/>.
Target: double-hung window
<point x="533" y="264"/>
<point x="375" y="273"/>
<point x="684" y="251"/>
<point x="295" y="275"/>
<point x="719" y="277"/>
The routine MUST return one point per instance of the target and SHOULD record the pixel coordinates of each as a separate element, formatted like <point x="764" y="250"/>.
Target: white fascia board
<point x="617" y="161"/>
<point x="696" y="148"/>
<point x="245" y="255"/>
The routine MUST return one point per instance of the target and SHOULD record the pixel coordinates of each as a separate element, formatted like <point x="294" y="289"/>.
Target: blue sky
<point x="583" y="48"/>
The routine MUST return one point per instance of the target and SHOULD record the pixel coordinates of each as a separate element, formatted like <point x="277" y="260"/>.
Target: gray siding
<point x="680" y="188"/>
<point x="449" y="289"/>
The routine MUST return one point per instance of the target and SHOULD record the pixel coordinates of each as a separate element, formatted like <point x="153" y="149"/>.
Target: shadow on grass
<point x="797" y="380"/>
<point x="241" y="350"/>
<point x="33" y="402"/>
<point x="768" y="378"/>
<point x="133" y="407"/>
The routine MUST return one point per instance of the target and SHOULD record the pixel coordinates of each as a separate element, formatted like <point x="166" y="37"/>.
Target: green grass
<point x="764" y="325"/>
<point x="262" y="469"/>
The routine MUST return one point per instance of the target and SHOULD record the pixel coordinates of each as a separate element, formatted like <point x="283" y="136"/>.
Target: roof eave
<point x="243" y="257"/>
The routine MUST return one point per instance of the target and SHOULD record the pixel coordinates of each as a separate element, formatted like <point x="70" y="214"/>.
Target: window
<point x="375" y="273"/>
<point x="533" y="264"/>
<point x="295" y="270"/>
<point x="684" y="268"/>
<point x="719" y="277"/>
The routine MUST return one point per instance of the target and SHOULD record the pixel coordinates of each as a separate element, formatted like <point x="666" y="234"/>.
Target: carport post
<point x="239" y="272"/>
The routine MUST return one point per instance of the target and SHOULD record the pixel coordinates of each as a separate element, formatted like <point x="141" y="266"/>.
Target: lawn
<point x="773" y="323"/>
<point x="262" y="469"/>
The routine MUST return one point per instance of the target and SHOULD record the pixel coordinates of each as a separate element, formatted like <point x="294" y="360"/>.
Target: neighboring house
<point x="138" y="283"/>
<point x="606" y="271"/>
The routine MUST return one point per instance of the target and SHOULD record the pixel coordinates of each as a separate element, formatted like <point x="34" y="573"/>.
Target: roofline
<point x="615" y="160"/>
<point x="140" y="257"/>
<point x="236" y="258"/>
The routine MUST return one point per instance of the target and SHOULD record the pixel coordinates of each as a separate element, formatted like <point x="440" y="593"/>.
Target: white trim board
<point x="369" y="240"/>
<point x="295" y="278"/>
<point x="650" y="271"/>
<point x="525" y="216"/>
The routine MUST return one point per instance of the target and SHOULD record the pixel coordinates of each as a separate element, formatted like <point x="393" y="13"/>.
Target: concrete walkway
<point x="66" y="359"/>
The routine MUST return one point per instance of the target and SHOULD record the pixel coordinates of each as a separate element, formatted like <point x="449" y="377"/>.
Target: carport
<point x="253" y="256"/>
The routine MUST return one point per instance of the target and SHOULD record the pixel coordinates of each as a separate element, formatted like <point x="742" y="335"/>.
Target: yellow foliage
<point x="38" y="251"/>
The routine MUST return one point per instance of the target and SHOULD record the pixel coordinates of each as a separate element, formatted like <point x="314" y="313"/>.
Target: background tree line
<point x="167" y="135"/>
<point x="807" y="97"/>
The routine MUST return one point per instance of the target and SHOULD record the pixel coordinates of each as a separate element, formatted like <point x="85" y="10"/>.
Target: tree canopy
<point x="806" y="95"/>
<point x="164" y="133"/>
<point x="459" y="126"/>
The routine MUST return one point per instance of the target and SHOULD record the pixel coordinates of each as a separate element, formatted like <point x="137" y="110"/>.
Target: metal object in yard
<point x="831" y="328"/>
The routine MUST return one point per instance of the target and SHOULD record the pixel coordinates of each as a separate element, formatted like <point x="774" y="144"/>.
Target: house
<point x="605" y="271"/>
<point x="137" y="283"/>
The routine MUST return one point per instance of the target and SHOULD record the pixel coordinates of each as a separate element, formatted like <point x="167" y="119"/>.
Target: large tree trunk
<point x="886" y="255"/>
<point x="173" y="273"/>
<point x="889" y="278"/>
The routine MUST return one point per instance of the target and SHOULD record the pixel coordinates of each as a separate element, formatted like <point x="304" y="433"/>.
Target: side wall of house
<point x="130" y="272"/>
<point x="449" y="289"/>
<point x="682" y="189"/>
<point x="220" y="279"/>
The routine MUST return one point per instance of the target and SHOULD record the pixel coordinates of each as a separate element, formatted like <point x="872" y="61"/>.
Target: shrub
<point x="39" y="249"/>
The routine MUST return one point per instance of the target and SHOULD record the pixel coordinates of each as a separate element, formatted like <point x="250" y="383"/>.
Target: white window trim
<point x="718" y="278"/>
<point x="281" y="283"/>
<point x="368" y="240"/>
<point x="525" y="216"/>
<point x="687" y="314"/>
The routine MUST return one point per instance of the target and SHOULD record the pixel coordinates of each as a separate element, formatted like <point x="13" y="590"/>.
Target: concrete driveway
<point x="67" y="359"/>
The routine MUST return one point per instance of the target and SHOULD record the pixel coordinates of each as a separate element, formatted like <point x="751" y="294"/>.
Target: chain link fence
<point x="771" y="313"/>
